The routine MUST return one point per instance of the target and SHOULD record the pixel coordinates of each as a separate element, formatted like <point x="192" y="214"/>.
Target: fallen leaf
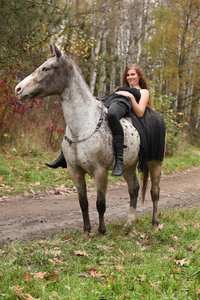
<point x="142" y="236"/>
<point x="181" y="262"/>
<point x="37" y="183"/>
<point x="144" y="248"/>
<point x="53" y="252"/>
<point x="149" y="235"/>
<point x="50" y="276"/>
<point x="28" y="277"/>
<point x="81" y="253"/>
<point x="18" y="291"/>
<point x="160" y="227"/>
<point x="102" y="263"/>
<point x="1" y="252"/>
<point x="40" y="275"/>
<point x="91" y="268"/>
<point x="58" y="260"/>
<point x="132" y="234"/>
<point x="97" y="274"/>
<point x="20" y="294"/>
<point x="119" y="267"/>
<point x="197" y="291"/>
<point x="135" y="232"/>
<point x="176" y="239"/>
<point x="175" y="271"/>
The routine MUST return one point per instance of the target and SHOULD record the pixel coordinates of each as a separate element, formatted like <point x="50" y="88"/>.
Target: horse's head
<point x="51" y="78"/>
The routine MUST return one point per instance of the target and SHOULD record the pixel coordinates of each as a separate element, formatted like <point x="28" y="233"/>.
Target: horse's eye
<point x="45" y="69"/>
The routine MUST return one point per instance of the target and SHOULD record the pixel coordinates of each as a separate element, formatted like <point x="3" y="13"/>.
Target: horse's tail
<point x="145" y="181"/>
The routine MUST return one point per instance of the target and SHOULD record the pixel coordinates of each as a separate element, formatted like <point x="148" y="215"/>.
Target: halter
<point x="96" y="129"/>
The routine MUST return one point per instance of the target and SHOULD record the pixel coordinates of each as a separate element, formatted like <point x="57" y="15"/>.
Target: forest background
<point x="102" y="37"/>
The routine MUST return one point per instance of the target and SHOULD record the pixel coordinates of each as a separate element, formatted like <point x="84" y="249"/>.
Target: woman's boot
<point x="118" y="150"/>
<point x="59" y="162"/>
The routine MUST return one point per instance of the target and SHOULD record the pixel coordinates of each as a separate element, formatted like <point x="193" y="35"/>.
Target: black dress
<point x="151" y="126"/>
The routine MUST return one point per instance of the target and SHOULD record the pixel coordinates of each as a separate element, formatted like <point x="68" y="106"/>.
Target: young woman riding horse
<point x="88" y="140"/>
<point x="133" y="97"/>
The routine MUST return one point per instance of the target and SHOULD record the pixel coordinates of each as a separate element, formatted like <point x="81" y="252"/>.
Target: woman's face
<point x="133" y="78"/>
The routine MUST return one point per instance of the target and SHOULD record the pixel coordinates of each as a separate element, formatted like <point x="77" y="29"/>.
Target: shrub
<point x="174" y="122"/>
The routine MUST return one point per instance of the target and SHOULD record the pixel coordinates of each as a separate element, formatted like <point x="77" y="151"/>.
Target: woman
<point x="132" y="99"/>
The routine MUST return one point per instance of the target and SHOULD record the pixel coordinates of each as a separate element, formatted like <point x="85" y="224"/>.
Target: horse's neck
<point x="80" y="110"/>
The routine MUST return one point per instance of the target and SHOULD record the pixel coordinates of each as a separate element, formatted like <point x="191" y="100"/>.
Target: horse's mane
<point x="78" y="69"/>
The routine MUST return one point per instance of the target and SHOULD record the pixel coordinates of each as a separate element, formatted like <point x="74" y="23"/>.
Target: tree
<point x="26" y="27"/>
<point x="173" y="51"/>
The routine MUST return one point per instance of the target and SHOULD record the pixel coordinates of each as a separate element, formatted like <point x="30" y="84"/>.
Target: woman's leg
<point x="115" y="113"/>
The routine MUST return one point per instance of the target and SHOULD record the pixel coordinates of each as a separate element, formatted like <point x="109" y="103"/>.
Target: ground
<point x="34" y="216"/>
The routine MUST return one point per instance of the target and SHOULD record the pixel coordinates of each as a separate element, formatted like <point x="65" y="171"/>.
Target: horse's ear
<point x="55" y="51"/>
<point x="52" y="50"/>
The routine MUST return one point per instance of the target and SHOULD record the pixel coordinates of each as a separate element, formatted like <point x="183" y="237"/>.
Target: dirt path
<point x="33" y="216"/>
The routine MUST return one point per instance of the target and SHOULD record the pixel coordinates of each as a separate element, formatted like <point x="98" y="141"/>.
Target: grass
<point x="127" y="263"/>
<point x="25" y="172"/>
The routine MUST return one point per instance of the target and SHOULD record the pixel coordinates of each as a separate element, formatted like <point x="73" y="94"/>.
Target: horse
<point x="88" y="142"/>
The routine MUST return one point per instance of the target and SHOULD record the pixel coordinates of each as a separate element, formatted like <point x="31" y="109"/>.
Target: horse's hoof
<point x="128" y="223"/>
<point x="100" y="236"/>
<point x="87" y="234"/>
<point x="155" y="225"/>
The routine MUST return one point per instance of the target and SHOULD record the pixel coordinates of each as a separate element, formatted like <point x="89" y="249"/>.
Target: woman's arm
<point x="138" y="108"/>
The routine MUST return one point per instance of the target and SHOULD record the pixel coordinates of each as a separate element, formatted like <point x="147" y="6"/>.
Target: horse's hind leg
<point x="101" y="179"/>
<point x="79" y="182"/>
<point x="133" y="188"/>
<point x="155" y="172"/>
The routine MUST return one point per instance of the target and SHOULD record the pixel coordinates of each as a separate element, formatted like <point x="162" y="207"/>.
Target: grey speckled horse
<point x="87" y="145"/>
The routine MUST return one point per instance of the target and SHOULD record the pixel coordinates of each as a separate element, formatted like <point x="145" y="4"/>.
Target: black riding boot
<point x="59" y="162"/>
<point x="118" y="149"/>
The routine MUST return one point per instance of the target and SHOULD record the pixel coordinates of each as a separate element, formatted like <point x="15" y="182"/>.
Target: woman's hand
<point x="138" y="108"/>
<point x="125" y="93"/>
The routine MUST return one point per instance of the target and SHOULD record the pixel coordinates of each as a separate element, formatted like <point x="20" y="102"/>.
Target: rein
<point x="96" y="129"/>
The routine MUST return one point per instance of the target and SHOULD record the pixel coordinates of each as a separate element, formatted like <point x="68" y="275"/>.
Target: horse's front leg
<point x="101" y="179"/>
<point x="155" y="172"/>
<point x="133" y="188"/>
<point x="79" y="182"/>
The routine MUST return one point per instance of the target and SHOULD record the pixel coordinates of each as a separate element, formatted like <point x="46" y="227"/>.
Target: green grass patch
<point x="187" y="158"/>
<point x="24" y="171"/>
<point x="127" y="263"/>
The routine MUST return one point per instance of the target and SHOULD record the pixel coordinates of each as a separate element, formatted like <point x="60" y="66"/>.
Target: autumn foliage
<point x="19" y="121"/>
